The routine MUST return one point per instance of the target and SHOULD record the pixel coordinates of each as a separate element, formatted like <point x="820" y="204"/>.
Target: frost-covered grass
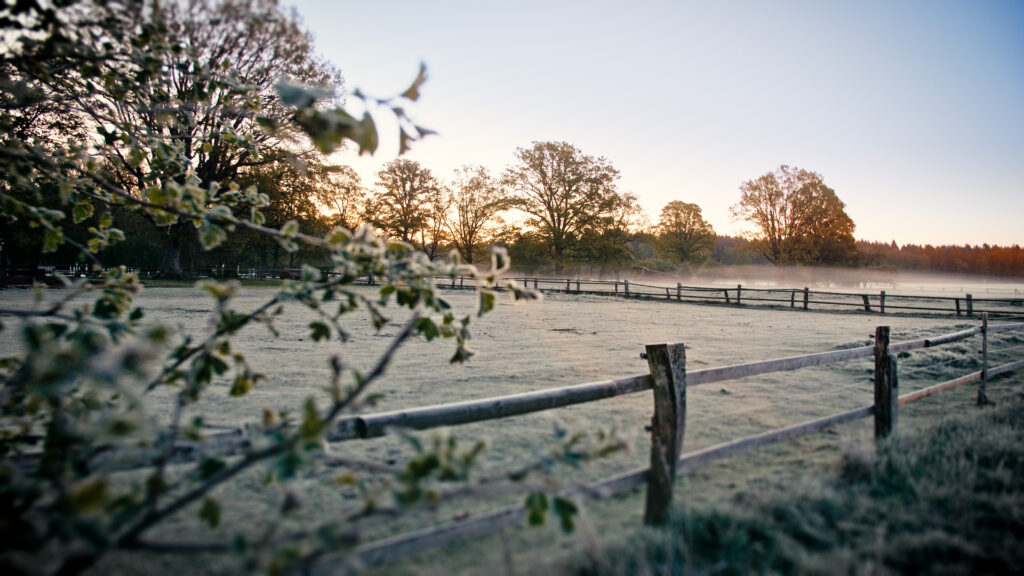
<point x="943" y="498"/>
<point x="559" y="341"/>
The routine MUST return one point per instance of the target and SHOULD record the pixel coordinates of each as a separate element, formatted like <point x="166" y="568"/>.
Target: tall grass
<point x="945" y="498"/>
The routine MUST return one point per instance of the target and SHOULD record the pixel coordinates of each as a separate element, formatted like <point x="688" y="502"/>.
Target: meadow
<point x="558" y="341"/>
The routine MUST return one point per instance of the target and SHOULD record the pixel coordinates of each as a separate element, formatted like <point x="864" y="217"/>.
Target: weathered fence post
<point x="726" y="292"/>
<point x="534" y="283"/>
<point x="625" y="287"/>
<point x="667" y="363"/>
<point x="616" y="286"/>
<point x="567" y="285"/>
<point x="881" y="302"/>
<point x="807" y="294"/>
<point x="577" y="285"/>
<point x="867" y="303"/>
<point x="957" y="306"/>
<point x="462" y="280"/>
<point x="679" y="292"/>
<point x="739" y="288"/>
<point x="792" y="298"/>
<point x="982" y="397"/>
<point x="886" y="386"/>
<point x="970" y="305"/>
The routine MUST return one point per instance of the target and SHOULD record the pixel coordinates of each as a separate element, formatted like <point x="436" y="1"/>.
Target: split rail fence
<point x="795" y="298"/>
<point x="668" y="379"/>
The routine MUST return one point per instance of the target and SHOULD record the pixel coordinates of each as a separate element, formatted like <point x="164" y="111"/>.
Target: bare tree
<point x="477" y="199"/>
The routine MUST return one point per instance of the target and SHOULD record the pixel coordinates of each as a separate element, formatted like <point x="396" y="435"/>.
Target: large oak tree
<point x="797" y="219"/>
<point x="566" y="194"/>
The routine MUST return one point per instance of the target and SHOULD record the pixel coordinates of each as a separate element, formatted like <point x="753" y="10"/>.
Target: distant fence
<point x="668" y="379"/>
<point x="795" y="298"/>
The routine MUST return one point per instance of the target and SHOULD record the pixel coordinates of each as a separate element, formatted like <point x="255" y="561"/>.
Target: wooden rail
<point x="669" y="380"/>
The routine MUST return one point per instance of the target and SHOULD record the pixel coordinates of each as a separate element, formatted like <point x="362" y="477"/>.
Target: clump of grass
<point x="944" y="499"/>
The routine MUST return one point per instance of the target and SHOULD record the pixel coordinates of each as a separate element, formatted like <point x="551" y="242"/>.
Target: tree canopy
<point x="683" y="234"/>
<point x="797" y="219"/>
<point x="566" y="194"/>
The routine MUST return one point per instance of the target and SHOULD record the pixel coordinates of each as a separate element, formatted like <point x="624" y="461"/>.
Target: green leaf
<point x="211" y="235"/>
<point x="312" y="425"/>
<point x="52" y="239"/>
<point x="210" y="512"/>
<point x="82" y="211"/>
<point x="290" y="229"/>
<point x="536" y="508"/>
<point x="241" y="386"/>
<point x="320" y="331"/>
<point x="413" y="91"/>
<point x="486" y="304"/>
<point x="565" y="509"/>
<point x="427" y="328"/>
<point x="88" y="495"/>
<point x="210" y="466"/>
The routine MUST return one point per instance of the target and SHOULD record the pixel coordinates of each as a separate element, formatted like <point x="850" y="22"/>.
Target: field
<point x="561" y="340"/>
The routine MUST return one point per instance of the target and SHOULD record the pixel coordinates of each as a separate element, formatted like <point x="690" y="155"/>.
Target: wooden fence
<point x="795" y="298"/>
<point x="668" y="379"/>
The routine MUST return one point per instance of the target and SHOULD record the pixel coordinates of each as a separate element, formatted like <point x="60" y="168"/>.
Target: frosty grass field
<point x="559" y="341"/>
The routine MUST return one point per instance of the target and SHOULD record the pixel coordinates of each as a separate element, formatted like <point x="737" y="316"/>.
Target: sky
<point x="913" y="112"/>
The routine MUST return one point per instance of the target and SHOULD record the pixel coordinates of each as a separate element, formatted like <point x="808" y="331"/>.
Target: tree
<point x="217" y="134"/>
<point x="798" y="219"/>
<point x="341" y="190"/>
<point x="683" y="234"/>
<point x="402" y="206"/>
<point x="476" y="202"/>
<point x="79" y="394"/>
<point x="565" y="192"/>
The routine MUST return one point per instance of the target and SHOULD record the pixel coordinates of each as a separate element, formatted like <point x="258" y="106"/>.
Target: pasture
<point x="561" y="340"/>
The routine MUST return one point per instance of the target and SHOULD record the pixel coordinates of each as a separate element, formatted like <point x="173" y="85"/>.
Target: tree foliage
<point x="683" y="234"/>
<point x="797" y="218"/>
<point x="402" y="205"/>
<point x="566" y="193"/>
<point x="477" y="200"/>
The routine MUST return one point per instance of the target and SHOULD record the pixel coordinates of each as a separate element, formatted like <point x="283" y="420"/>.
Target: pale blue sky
<point x="912" y="111"/>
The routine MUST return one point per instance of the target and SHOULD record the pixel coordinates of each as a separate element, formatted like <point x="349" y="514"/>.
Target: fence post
<point x="616" y="286"/>
<point x="867" y="303"/>
<point x="453" y="281"/>
<point x="679" y="292"/>
<point x="726" y="292"/>
<point x="970" y="305"/>
<point x="577" y="285"/>
<point x="667" y="363"/>
<point x="957" y="306"/>
<point x="534" y="283"/>
<point x="881" y="302"/>
<point x="982" y="397"/>
<point x="625" y="284"/>
<point x="792" y="299"/>
<point x="739" y="288"/>
<point x="807" y="294"/>
<point x="886" y="386"/>
<point x="567" y="284"/>
<point x="462" y="281"/>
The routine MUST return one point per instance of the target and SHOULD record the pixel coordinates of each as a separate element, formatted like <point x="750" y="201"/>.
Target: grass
<point x="944" y="498"/>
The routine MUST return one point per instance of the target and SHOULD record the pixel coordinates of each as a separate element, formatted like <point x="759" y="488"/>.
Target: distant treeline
<point x="984" y="259"/>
